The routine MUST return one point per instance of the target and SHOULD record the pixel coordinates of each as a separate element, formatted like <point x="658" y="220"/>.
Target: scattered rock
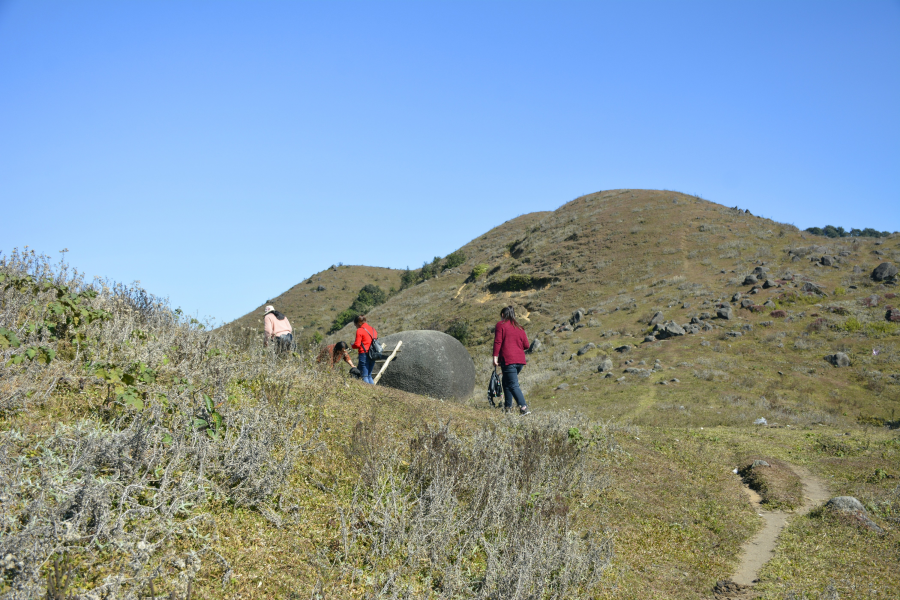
<point x="734" y="333"/>
<point x="760" y="272"/>
<point x="725" y="313"/>
<point x="670" y="329"/>
<point x="686" y="305"/>
<point x="431" y="363"/>
<point x="769" y="304"/>
<point x="760" y="463"/>
<point x="321" y="288"/>
<point x="737" y="297"/>
<point x="576" y="317"/>
<point x="826" y="261"/>
<point x="761" y="421"/>
<point x="536" y="346"/>
<point x="884" y="271"/>
<point x="623" y="349"/>
<point x="675" y="380"/>
<point x="649" y="338"/>
<point x="838" y="359"/>
<point x="746" y="303"/>
<point x="778" y="314"/>
<point x="605" y="366"/>
<point x="563" y="386"/>
<point x="769" y="284"/>
<point x="853" y="508"/>
<point x="893" y="315"/>
<point x="657" y="318"/>
<point x="586" y="348"/>
<point x="705" y="343"/>
<point x="811" y="288"/>
<point x="705" y="315"/>
<point x="750" y="280"/>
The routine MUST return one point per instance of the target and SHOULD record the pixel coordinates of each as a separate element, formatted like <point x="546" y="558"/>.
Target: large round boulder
<point x="430" y="363"/>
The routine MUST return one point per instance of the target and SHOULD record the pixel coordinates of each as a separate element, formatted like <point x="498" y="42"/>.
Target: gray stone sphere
<point x="430" y="363"/>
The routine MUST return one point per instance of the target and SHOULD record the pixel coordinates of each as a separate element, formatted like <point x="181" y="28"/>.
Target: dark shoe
<point x="523" y="410"/>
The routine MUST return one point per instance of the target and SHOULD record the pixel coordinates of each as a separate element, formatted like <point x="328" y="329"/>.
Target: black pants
<point x="511" y="387"/>
<point x="284" y="343"/>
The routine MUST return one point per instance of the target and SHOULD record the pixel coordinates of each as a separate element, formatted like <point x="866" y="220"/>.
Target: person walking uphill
<point x="510" y="344"/>
<point x="278" y="328"/>
<point x="365" y="333"/>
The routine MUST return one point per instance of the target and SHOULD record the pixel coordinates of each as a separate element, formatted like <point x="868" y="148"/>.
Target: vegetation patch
<point x="776" y="483"/>
<point x="518" y="282"/>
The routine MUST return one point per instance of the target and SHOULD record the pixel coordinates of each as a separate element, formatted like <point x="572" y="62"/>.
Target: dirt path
<point x="761" y="548"/>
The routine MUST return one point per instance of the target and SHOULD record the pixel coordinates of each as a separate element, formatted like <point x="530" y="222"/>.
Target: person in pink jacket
<point x="278" y="328"/>
<point x="510" y="344"/>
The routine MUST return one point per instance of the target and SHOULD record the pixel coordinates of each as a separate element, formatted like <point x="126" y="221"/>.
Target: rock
<point x="746" y="303"/>
<point x="695" y="321"/>
<point x="586" y="348"/>
<point x="430" y="363"/>
<point x="893" y="315"/>
<point x="734" y="333"/>
<point x="838" y="359"/>
<point x="760" y="272"/>
<point x="576" y="317"/>
<point x="725" y="313"/>
<point x="321" y="288"/>
<point x="649" y="338"/>
<point x="755" y="290"/>
<point x="705" y="315"/>
<point x="760" y="463"/>
<point x="761" y="421"/>
<point x="705" y="343"/>
<point x="670" y="329"/>
<point x="563" y="386"/>
<point x="853" y="508"/>
<point x="536" y="346"/>
<point x="706" y="326"/>
<point x="884" y="271"/>
<point x="657" y="318"/>
<point x="605" y="366"/>
<point x="769" y="304"/>
<point x="623" y="349"/>
<point x="750" y="280"/>
<point x="737" y="297"/>
<point x="811" y="288"/>
<point x="686" y="305"/>
<point x="826" y="261"/>
<point x="769" y="284"/>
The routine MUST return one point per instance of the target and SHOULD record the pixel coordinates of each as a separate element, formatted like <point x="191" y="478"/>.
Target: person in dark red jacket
<point x="510" y="344"/>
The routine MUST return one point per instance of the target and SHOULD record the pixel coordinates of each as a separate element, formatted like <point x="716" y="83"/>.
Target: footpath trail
<point x="758" y="550"/>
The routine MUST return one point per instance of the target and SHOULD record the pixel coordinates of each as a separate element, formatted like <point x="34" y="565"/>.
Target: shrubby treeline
<point x="836" y="232"/>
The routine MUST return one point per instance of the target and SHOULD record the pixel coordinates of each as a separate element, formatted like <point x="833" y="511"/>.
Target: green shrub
<point x="517" y="283"/>
<point x="368" y="298"/>
<point x="459" y="330"/>
<point x="478" y="271"/>
<point x="852" y="324"/>
<point x="318" y="337"/>
<point x="454" y="259"/>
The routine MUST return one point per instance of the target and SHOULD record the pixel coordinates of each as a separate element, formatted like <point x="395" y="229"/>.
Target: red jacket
<point x="510" y="344"/>
<point x="364" y="337"/>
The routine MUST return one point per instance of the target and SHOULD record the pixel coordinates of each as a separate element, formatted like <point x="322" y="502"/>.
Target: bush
<point x="517" y="283"/>
<point x="368" y="298"/>
<point x="478" y="271"/>
<point x="852" y="324"/>
<point x="459" y="330"/>
<point x="454" y="259"/>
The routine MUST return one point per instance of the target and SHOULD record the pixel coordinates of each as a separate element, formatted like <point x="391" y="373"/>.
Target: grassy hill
<point x="138" y="450"/>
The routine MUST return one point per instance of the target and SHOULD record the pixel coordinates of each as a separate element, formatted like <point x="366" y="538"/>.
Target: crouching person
<point x="277" y="328"/>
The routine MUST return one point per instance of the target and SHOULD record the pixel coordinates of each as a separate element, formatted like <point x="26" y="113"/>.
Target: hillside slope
<point x="621" y="256"/>
<point x="312" y="309"/>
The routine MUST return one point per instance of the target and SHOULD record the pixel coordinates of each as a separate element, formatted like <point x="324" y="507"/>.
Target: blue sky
<point x="220" y="152"/>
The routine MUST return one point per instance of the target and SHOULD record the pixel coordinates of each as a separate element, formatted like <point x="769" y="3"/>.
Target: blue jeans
<point x="283" y="343"/>
<point x="511" y="387"/>
<point x="366" y="365"/>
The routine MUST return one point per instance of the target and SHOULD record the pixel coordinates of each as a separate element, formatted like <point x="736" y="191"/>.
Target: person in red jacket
<point x="365" y="333"/>
<point x="510" y="344"/>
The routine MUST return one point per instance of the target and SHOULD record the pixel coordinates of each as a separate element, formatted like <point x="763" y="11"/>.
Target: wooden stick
<point x="386" y="363"/>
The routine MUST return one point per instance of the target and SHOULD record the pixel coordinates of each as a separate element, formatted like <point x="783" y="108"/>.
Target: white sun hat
<point x="268" y="309"/>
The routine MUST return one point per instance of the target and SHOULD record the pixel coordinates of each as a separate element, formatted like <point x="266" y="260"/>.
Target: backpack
<point x="375" y="348"/>
<point x="495" y="388"/>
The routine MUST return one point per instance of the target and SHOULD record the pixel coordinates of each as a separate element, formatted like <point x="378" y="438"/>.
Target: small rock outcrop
<point x="670" y="329"/>
<point x="605" y="366"/>
<point x="536" y="346"/>
<point x="838" y="359"/>
<point x="725" y="313"/>
<point x="430" y="363"/>
<point x="750" y="280"/>
<point x="586" y="348"/>
<point x="853" y="508"/>
<point x="577" y="316"/>
<point x="884" y="271"/>
<point x="657" y="318"/>
<point x="623" y="349"/>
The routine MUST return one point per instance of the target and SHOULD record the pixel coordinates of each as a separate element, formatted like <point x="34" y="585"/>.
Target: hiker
<point x="277" y="328"/>
<point x="335" y="353"/>
<point x="365" y="333"/>
<point x="510" y="344"/>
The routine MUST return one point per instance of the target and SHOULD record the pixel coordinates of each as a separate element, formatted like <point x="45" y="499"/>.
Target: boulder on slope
<point x="430" y="363"/>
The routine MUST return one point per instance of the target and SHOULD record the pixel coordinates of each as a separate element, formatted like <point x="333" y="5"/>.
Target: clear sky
<point x="220" y="152"/>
